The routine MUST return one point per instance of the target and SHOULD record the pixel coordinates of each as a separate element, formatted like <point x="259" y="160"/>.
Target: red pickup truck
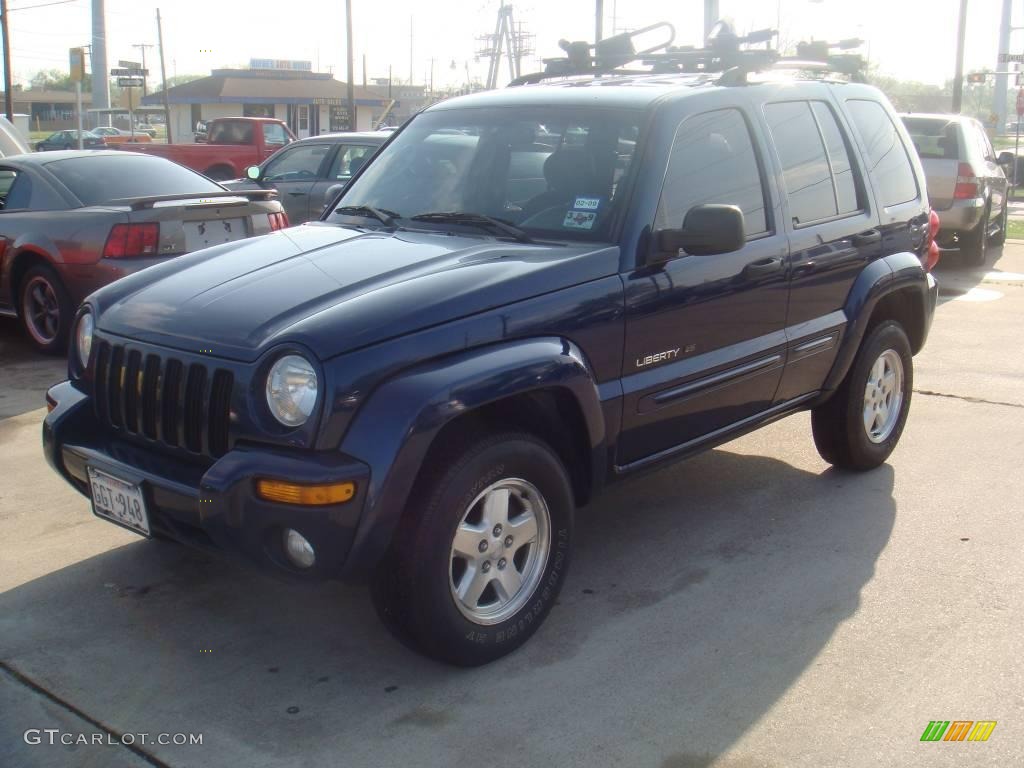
<point x="232" y="145"/>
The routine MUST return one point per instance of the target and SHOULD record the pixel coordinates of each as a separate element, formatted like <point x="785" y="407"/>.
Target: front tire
<point x="1000" y="237"/>
<point x="860" y="425"/>
<point x="481" y="553"/>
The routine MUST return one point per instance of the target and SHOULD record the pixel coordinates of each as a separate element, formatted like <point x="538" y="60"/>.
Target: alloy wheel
<point x="883" y="396"/>
<point x="499" y="551"/>
<point x="41" y="310"/>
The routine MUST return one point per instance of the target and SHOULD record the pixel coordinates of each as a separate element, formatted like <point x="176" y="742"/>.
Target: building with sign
<point x="310" y="102"/>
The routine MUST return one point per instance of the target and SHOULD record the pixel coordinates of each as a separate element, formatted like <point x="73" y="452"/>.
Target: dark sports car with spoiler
<point x="71" y="222"/>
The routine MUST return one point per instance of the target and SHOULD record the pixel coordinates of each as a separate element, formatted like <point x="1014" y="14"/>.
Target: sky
<point x="910" y="39"/>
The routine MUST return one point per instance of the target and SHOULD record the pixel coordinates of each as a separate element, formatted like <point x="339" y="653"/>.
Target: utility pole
<point x="8" y="96"/>
<point x="100" y="73"/>
<point x="599" y="21"/>
<point x="163" y="77"/>
<point x="710" y="16"/>
<point x="143" y="47"/>
<point x="999" y="94"/>
<point x="351" y="91"/>
<point x="958" y="76"/>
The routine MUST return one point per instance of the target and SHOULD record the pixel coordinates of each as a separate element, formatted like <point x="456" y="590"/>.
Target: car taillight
<point x="966" y="182"/>
<point x="126" y="240"/>
<point x="931" y="251"/>
<point x="278" y="221"/>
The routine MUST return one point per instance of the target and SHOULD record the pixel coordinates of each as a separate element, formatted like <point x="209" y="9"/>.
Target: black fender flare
<point x="882" y="277"/>
<point x="396" y="427"/>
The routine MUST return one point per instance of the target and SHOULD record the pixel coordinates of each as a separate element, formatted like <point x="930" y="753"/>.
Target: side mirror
<point x="332" y="192"/>
<point x="1005" y="158"/>
<point x="707" y="230"/>
<point x="253" y="173"/>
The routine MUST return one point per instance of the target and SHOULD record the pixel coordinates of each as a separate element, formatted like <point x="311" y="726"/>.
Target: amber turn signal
<point x="308" y="495"/>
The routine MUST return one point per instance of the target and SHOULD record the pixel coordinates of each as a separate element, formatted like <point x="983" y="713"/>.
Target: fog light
<point x="299" y="551"/>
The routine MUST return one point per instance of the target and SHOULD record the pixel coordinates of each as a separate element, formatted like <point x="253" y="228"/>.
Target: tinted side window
<point x="713" y="161"/>
<point x="301" y="163"/>
<point x="888" y="162"/>
<point x="804" y="161"/>
<point x="838" y="157"/>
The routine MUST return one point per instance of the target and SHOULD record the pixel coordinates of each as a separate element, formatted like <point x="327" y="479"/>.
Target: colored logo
<point x="958" y="730"/>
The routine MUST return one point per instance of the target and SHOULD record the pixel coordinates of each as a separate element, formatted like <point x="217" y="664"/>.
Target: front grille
<point x="182" y="405"/>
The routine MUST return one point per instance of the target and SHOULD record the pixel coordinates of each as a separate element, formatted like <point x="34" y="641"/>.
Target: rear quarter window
<point x="888" y="163"/>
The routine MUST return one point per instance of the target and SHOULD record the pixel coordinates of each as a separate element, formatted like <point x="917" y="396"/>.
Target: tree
<point x="56" y="80"/>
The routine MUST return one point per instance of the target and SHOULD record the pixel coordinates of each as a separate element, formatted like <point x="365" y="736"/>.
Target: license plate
<point x="203" y="234"/>
<point x="119" y="501"/>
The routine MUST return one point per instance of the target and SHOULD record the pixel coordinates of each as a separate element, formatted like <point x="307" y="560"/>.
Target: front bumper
<point x="212" y="507"/>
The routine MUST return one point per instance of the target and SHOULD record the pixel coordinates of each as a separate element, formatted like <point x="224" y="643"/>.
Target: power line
<point x="41" y="5"/>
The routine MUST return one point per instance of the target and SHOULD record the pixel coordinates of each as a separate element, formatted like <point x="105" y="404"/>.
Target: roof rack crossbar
<point x="723" y="53"/>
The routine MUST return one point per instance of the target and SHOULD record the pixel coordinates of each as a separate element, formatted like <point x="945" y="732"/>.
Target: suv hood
<point x="335" y="289"/>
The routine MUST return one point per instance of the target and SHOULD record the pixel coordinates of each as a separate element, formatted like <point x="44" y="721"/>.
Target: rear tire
<point x="481" y="553"/>
<point x="45" y="309"/>
<point x="860" y="425"/>
<point x="975" y="242"/>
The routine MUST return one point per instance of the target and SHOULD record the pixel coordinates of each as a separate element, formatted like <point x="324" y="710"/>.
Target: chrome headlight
<point x="291" y="390"/>
<point x="83" y="338"/>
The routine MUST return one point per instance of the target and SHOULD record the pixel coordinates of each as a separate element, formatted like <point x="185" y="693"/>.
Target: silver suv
<point x="967" y="186"/>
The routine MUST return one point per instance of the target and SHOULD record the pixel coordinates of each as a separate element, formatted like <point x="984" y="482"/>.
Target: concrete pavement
<point x="749" y="608"/>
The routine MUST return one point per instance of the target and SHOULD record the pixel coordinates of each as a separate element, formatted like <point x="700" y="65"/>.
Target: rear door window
<point x="349" y="159"/>
<point x="804" y="159"/>
<point x="15" y="190"/>
<point x="888" y="163"/>
<point x="713" y="161"/>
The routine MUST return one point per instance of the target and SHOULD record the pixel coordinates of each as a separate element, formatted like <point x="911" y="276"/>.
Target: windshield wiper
<point x="479" y="219"/>
<point x="383" y="215"/>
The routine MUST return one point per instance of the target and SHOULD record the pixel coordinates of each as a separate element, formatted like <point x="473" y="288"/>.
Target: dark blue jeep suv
<point x="528" y="294"/>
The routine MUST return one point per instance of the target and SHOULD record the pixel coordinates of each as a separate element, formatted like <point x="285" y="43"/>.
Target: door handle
<point x="297" y="194"/>
<point x="871" y="237"/>
<point x="762" y="267"/>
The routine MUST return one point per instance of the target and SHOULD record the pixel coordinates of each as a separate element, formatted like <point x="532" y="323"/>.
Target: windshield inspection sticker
<point x="579" y="219"/>
<point x="587" y="203"/>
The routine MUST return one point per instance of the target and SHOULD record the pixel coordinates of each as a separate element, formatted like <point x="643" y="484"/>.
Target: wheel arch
<point x="24" y="259"/>
<point x="895" y="287"/>
<point x="543" y="386"/>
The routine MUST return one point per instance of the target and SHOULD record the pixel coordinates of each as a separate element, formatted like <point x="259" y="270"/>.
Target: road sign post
<point x="130" y="75"/>
<point x="76" y="62"/>
<point x="1016" y="142"/>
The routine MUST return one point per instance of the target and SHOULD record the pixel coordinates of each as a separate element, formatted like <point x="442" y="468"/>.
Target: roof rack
<point x="723" y="54"/>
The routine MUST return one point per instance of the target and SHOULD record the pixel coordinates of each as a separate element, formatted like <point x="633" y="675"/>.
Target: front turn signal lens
<point x="306" y="495"/>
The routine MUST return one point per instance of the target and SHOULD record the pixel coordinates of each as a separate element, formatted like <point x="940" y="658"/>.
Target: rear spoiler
<point x="140" y="203"/>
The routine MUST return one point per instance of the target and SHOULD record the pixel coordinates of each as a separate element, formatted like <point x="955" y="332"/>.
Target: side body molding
<point x="393" y="431"/>
<point x="896" y="272"/>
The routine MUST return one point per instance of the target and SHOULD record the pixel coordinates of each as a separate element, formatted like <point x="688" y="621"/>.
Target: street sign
<point x="129" y="64"/>
<point x="76" y="62"/>
<point x="129" y="72"/>
<point x="1006" y="58"/>
<point x="1020" y="102"/>
<point x="129" y="82"/>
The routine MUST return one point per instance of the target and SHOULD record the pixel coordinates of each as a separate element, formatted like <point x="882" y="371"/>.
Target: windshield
<point x="552" y="172"/>
<point x="99" y="179"/>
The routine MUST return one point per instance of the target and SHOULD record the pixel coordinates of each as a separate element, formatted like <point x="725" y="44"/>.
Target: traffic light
<point x="975" y="78"/>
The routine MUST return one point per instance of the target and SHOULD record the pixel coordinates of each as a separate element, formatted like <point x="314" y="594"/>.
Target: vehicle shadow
<point x="698" y="595"/>
<point x="25" y="373"/>
<point x="956" y="277"/>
